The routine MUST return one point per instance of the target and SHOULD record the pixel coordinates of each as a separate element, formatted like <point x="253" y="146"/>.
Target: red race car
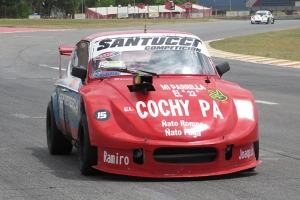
<point x="151" y="104"/>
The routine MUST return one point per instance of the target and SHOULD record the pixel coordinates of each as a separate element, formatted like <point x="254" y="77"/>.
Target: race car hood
<point x="180" y="109"/>
<point x="260" y="16"/>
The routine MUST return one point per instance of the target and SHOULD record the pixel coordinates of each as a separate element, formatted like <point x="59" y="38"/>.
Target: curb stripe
<point x="251" y="58"/>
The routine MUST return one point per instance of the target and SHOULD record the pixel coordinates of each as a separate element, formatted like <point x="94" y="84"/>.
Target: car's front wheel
<point x="86" y="153"/>
<point x="56" y="142"/>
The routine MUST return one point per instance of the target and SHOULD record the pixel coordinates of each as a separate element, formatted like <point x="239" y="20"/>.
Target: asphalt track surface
<point x="27" y="171"/>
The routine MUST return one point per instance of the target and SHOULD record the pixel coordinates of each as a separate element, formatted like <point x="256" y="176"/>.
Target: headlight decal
<point x="244" y="109"/>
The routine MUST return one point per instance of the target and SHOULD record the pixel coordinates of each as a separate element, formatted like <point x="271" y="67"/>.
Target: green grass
<point x="278" y="44"/>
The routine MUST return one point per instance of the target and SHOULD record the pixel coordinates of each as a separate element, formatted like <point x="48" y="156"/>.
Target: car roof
<point x="135" y="32"/>
<point x="262" y="11"/>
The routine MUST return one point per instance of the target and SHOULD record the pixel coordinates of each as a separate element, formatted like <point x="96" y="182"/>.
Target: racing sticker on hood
<point x="193" y="129"/>
<point x="217" y="95"/>
<point x="175" y="107"/>
<point x="179" y="89"/>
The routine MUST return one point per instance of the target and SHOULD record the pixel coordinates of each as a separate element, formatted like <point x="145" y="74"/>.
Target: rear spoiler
<point x="64" y="51"/>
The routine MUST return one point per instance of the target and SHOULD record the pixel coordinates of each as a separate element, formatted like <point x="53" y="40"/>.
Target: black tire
<point x="56" y="142"/>
<point x="86" y="154"/>
<point x="273" y="21"/>
<point x="268" y="21"/>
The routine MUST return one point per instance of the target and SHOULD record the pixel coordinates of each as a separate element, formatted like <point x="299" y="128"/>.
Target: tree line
<point x="23" y="8"/>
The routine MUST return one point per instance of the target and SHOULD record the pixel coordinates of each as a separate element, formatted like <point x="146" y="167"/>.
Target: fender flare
<point x="54" y="100"/>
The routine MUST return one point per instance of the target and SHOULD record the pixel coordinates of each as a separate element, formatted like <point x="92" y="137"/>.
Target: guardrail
<point x="287" y="17"/>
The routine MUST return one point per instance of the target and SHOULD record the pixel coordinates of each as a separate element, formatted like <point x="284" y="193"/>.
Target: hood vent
<point x="142" y="83"/>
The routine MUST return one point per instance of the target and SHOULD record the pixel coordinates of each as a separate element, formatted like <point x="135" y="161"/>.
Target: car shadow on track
<point x="65" y="166"/>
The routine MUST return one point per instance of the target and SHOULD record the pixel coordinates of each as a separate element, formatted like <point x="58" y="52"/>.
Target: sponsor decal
<point x="182" y="87"/>
<point x="165" y="123"/>
<point x="68" y="101"/>
<point x="192" y="132"/>
<point x="106" y="55"/>
<point x="179" y="89"/>
<point x="97" y="73"/>
<point x="183" y="123"/>
<point x="176" y="93"/>
<point x="128" y="109"/>
<point x="73" y="83"/>
<point x="195" y="130"/>
<point x="187" y="132"/>
<point x="191" y="124"/>
<point x="102" y="115"/>
<point x="166" y="108"/>
<point x="172" y="48"/>
<point x="72" y="113"/>
<point x="172" y="132"/>
<point x="106" y="64"/>
<point x="246" y="154"/>
<point x="102" y="64"/>
<point x="110" y="64"/>
<point x="217" y="95"/>
<point x="106" y="74"/>
<point x="175" y="43"/>
<point x="115" y="159"/>
<point x="174" y="107"/>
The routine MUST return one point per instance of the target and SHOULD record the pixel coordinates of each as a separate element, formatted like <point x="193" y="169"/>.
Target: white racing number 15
<point x="102" y="115"/>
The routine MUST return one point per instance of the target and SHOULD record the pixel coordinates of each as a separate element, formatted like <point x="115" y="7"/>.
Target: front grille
<point x="185" y="155"/>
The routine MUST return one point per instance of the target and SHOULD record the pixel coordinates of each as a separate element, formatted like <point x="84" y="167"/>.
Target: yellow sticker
<point x="137" y="79"/>
<point x="114" y="64"/>
<point x="217" y="95"/>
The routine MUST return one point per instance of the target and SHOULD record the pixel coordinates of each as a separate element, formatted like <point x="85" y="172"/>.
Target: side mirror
<point x="223" y="68"/>
<point x="79" y="72"/>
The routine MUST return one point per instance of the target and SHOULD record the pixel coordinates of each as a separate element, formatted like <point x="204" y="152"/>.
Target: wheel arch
<point x="80" y="129"/>
<point x="82" y="112"/>
<point x="82" y="105"/>
<point x="54" y="101"/>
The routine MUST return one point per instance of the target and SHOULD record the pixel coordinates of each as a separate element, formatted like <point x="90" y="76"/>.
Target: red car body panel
<point x="126" y="130"/>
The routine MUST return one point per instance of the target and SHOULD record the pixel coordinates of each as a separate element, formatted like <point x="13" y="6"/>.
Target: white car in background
<point x="262" y="16"/>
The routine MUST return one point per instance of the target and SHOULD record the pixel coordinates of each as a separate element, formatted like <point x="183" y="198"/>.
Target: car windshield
<point x="159" y="59"/>
<point x="261" y="13"/>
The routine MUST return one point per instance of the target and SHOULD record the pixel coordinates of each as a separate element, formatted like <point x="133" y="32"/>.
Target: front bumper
<point x="201" y="163"/>
<point x="259" y="20"/>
